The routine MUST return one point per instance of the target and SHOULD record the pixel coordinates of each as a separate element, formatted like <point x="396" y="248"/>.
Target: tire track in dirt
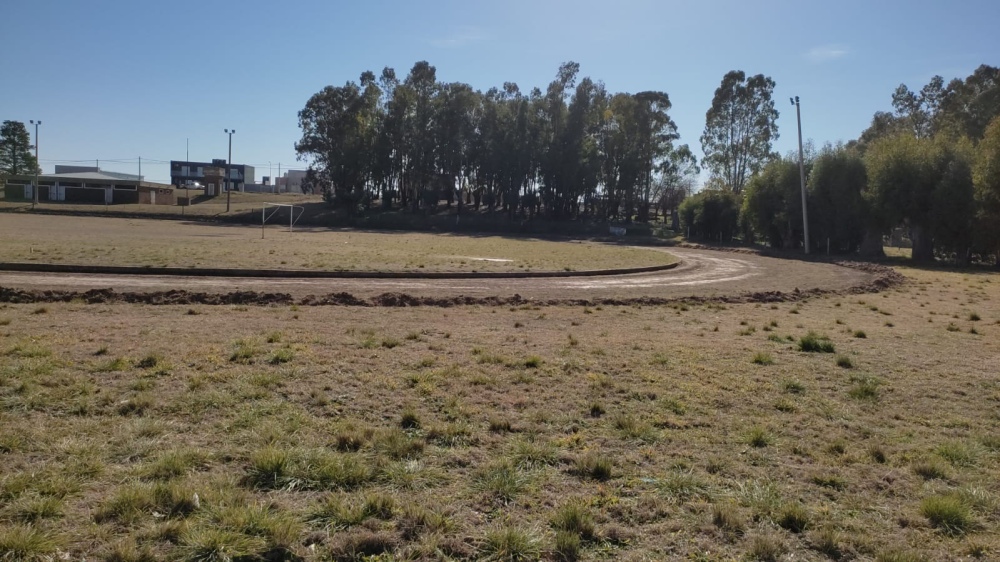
<point x="702" y="275"/>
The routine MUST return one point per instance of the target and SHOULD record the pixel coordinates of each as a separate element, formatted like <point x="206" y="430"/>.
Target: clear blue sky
<point x="115" y="80"/>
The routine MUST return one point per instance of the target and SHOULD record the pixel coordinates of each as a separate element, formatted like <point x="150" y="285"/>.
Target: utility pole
<point x="187" y="150"/>
<point x="140" y="171"/>
<point x="34" y="192"/>
<point x="279" y="175"/>
<point x="229" y="168"/>
<point x="802" y="175"/>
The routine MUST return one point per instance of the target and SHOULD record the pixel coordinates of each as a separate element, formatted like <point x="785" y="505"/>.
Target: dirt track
<point x="703" y="274"/>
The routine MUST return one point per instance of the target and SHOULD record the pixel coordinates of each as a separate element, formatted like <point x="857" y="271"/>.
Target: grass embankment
<point x="137" y="242"/>
<point x="859" y="427"/>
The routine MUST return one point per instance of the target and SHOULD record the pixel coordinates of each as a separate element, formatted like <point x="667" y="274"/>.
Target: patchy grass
<point x="634" y="443"/>
<point x="141" y="242"/>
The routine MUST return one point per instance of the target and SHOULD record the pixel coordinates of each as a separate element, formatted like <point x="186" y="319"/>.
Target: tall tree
<point x="987" y="184"/>
<point x="739" y="128"/>
<point x="15" y="149"/>
<point x="837" y="210"/>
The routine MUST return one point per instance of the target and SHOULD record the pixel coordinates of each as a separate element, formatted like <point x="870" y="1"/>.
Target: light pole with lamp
<point x="802" y="175"/>
<point x="34" y="192"/>
<point x="229" y="168"/>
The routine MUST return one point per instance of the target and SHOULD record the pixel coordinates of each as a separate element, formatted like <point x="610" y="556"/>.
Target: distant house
<point x="204" y="174"/>
<point x="89" y="187"/>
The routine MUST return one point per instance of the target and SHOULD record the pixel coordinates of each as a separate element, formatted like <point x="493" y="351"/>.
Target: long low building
<point x="89" y="187"/>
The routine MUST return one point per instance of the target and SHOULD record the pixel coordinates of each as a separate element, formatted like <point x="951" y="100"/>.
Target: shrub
<point x="948" y="513"/>
<point x="860" y="334"/>
<point x="814" y="343"/>
<point x="844" y="362"/>
<point x="533" y="362"/>
<point x="763" y="358"/>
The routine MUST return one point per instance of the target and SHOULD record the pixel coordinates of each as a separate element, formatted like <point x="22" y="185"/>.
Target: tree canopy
<point x="739" y="128"/>
<point x="572" y="151"/>
<point x="15" y="149"/>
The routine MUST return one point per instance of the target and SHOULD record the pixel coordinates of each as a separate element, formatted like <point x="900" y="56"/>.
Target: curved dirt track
<point x="701" y="274"/>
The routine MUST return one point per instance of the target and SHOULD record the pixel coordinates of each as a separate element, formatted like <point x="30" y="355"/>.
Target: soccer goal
<point x="269" y="210"/>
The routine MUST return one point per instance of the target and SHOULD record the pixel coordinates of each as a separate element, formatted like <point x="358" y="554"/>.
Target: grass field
<point x="842" y="428"/>
<point x="138" y="242"/>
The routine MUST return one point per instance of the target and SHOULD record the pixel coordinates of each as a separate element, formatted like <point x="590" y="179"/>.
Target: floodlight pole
<point x="34" y="192"/>
<point x="229" y="168"/>
<point x="802" y="175"/>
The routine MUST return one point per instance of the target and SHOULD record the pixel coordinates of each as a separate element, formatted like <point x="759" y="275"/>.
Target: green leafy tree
<point x="15" y="149"/>
<point x="925" y="184"/>
<point x="837" y="209"/>
<point x="711" y="214"/>
<point x="739" y="128"/>
<point x="772" y="204"/>
<point x="987" y="191"/>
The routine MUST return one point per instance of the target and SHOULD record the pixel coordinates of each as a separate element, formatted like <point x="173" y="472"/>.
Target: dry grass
<point x="137" y="242"/>
<point x="205" y="437"/>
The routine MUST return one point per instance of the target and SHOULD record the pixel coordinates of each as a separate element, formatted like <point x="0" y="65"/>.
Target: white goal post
<point x="275" y="208"/>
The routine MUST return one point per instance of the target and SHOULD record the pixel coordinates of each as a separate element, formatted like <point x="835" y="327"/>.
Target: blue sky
<point x="116" y="80"/>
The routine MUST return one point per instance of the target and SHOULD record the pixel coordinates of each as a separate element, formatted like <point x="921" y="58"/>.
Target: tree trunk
<point x="871" y="246"/>
<point x="923" y="245"/>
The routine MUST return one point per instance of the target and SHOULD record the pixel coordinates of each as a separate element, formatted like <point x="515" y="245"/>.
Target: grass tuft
<point x="763" y="358"/>
<point x="25" y="543"/>
<point x="815" y="343"/>
<point x="511" y="544"/>
<point x="949" y="513"/>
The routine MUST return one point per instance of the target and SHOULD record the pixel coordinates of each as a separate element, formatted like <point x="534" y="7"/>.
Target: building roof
<point x="91" y="177"/>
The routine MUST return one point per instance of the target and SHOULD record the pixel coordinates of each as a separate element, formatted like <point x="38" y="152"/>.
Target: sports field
<point x="842" y="427"/>
<point x="143" y="242"/>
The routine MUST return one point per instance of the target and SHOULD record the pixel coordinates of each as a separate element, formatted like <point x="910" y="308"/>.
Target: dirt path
<point x="702" y="273"/>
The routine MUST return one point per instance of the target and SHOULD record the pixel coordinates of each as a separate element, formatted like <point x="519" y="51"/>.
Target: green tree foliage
<point x="574" y="151"/>
<point x="711" y="214"/>
<point x="15" y="149"/>
<point x="987" y="191"/>
<point x="962" y="108"/>
<point x="739" y="128"/>
<point x="925" y="184"/>
<point x="772" y="204"/>
<point x="837" y="209"/>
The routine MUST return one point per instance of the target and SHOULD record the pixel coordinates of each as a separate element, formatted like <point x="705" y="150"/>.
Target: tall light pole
<point x="229" y="168"/>
<point x="802" y="174"/>
<point x="34" y="192"/>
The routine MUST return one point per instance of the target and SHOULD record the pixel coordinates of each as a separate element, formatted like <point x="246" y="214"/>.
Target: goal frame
<point x="292" y="218"/>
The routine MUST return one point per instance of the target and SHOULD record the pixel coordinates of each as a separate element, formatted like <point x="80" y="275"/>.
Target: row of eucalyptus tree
<point x="572" y="151"/>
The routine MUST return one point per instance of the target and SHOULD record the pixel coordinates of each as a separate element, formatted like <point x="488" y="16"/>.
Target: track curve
<point x="701" y="273"/>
